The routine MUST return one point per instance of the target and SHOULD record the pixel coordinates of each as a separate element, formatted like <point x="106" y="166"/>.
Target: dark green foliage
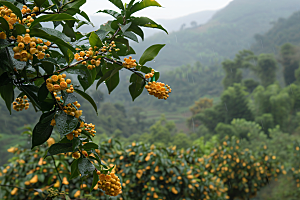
<point x="250" y="84"/>
<point x="289" y="58"/>
<point x="265" y="69"/>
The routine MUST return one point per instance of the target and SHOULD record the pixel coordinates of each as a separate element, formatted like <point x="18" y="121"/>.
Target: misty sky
<point x="171" y="8"/>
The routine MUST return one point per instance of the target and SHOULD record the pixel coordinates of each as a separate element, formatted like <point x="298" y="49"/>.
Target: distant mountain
<point x="283" y="31"/>
<point x="230" y="30"/>
<point x="184" y="22"/>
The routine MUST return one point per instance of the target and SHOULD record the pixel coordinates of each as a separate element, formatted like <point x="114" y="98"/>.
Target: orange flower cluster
<point x="110" y="184"/>
<point x="159" y="90"/>
<point x="90" y="128"/>
<point x="28" y="20"/>
<point x="9" y="16"/>
<point x="21" y="103"/>
<point x="28" y="46"/>
<point x="150" y="75"/>
<point x="74" y="133"/>
<point x="91" y="63"/>
<point x="129" y="62"/>
<point x="109" y="48"/>
<point x="71" y="110"/>
<point x="58" y="83"/>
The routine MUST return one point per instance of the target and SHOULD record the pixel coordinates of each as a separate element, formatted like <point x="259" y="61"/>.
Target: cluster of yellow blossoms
<point x="29" y="18"/>
<point x="159" y="90"/>
<point x="72" y="109"/>
<point x="90" y="128"/>
<point x="109" y="48"/>
<point x="21" y="103"/>
<point x="9" y="16"/>
<point x="74" y="133"/>
<point x="91" y="64"/>
<point x="110" y="184"/>
<point x="29" y="46"/>
<point x="57" y="83"/>
<point x="150" y="75"/>
<point x="129" y="63"/>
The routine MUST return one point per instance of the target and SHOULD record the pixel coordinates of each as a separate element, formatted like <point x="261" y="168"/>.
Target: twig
<point x="57" y="173"/>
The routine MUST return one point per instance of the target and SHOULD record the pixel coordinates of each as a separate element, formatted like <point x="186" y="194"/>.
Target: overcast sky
<point x="170" y="8"/>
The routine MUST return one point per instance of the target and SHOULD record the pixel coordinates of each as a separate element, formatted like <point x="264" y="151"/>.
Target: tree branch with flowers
<point x="34" y="59"/>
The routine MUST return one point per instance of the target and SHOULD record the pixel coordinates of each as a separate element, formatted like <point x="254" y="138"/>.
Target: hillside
<point x="283" y="31"/>
<point x="230" y="30"/>
<point x="184" y="22"/>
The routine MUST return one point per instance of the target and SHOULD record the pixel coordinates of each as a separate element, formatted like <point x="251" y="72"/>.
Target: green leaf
<point x="48" y="66"/>
<point x="68" y="98"/>
<point x="4" y="79"/>
<point x="122" y="41"/>
<point x="42" y="130"/>
<point x="74" y="4"/>
<point x="102" y="34"/>
<point x="89" y="146"/>
<point x="43" y="92"/>
<point x="87" y="97"/>
<point x="150" y="53"/>
<point x="86" y="79"/>
<point x="69" y="31"/>
<point x="38" y="3"/>
<point x="146" y="22"/>
<point x="111" y="12"/>
<point x="143" y="4"/>
<point x="137" y="86"/>
<point x="113" y="80"/>
<point x="65" y="123"/>
<point x="7" y="94"/>
<point x="60" y="148"/>
<point x="95" y="40"/>
<point x="27" y="89"/>
<point x="53" y="36"/>
<point x="95" y="180"/>
<point x="11" y="6"/>
<point x="83" y="14"/>
<point x="125" y="27"/>
<point x="75" y="143"/>
<point x="70" y="56"/>
<point x="85" y="167"/>
<point x="131" y="36"/>
<point x="107" y="75"/>
<point x="74" y="169"/>
<point x="118" y="3"/>
<point x="4" y="25"/>
<point x="51" y="17"/>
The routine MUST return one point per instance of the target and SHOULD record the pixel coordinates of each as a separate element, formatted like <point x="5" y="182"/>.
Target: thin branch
<point x="57" y="173"/>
